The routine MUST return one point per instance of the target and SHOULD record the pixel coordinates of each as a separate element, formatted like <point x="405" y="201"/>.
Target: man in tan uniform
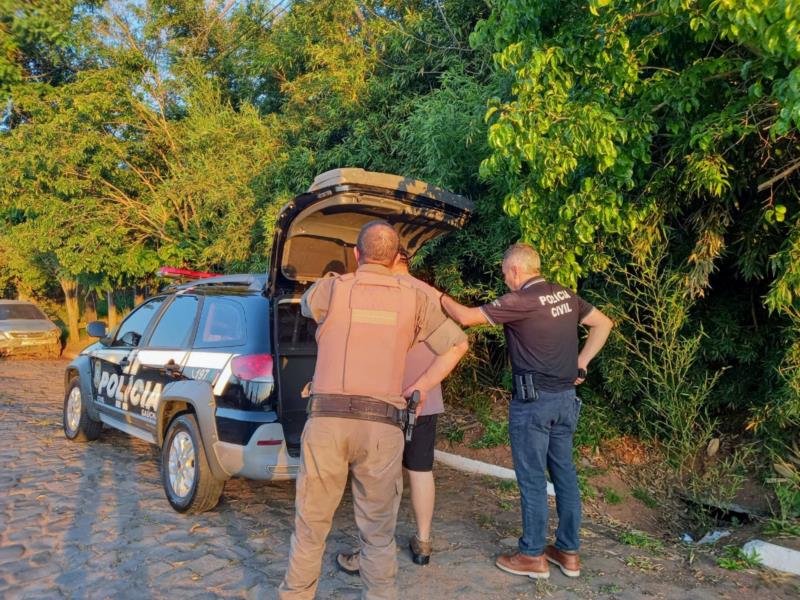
<point x="367" y="322"/>
<point x="418" y="452"/>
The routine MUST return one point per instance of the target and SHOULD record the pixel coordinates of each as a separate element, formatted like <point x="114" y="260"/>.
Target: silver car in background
<point x="25" y="330"/>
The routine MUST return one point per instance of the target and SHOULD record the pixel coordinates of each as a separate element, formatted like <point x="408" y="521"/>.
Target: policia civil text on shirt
<point x="367" y="322"/>
<point x="540" y="321"/>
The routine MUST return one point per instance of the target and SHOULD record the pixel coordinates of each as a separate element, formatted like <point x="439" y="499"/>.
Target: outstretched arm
<point x="463" y="315"/>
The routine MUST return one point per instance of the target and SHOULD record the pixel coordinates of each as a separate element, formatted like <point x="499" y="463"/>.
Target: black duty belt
<point x="355" y="407"/>
<point x="524" y="388"/>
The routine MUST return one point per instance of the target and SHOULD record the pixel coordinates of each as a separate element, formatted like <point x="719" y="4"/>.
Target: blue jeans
<point x="541" y="438"/>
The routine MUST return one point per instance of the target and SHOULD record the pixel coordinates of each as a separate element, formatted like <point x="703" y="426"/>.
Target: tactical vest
<point x="363" y="341"/>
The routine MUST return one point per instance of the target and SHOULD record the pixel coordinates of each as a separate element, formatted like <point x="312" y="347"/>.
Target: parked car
<point x="25" y="330"/>
<point x="212" y="371"/>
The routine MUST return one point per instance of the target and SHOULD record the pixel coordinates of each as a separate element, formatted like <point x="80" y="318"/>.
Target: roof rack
<point x="252" y="281"/>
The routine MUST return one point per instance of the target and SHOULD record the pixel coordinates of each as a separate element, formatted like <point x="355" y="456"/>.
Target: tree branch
<point x="782" y="175"/>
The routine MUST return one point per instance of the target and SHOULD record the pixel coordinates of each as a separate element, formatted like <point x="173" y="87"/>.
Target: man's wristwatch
<point x="581" y="373"/>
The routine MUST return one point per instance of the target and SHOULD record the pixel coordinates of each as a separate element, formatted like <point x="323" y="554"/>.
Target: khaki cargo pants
<point x="372" y="454"/>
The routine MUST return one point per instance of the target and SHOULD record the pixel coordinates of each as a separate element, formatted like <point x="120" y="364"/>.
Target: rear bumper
<point x="265" y="456"/>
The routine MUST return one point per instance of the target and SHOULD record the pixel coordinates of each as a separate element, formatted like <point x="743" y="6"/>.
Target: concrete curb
<point x="478" y="467"/>
<point x="774" y="556"/>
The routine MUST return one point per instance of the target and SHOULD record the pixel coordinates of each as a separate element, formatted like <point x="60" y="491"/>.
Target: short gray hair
<point x="523" y="256"/>
<point x="378" y="242"/>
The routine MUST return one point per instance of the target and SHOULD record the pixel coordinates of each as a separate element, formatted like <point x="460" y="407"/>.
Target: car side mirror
<point x="96" y="329"/>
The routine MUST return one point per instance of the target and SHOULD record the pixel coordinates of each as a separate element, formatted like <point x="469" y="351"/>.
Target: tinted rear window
<point x="175" y="326"/>
<point x="222" y="324"/>
<point x="20" y="311"/>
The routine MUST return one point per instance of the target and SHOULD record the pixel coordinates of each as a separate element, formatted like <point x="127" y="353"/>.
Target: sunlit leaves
<point x="627" y="100"/>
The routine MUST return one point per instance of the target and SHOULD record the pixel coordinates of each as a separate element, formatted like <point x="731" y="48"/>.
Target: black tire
<point x="78" y="425"/>
<point x="203" y="491"/>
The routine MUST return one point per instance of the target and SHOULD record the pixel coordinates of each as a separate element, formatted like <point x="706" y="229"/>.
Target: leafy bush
<point x="787" y="491"/>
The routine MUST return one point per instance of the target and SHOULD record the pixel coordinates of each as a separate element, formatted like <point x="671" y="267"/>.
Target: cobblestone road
<point x="91" y="521"/>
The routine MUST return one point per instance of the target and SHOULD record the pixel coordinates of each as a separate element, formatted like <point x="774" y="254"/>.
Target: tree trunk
<point x="90" y="307"/>
<point x="138" y="296"/>
<point x="70" y="288"/>
<point x="112" y="310"/>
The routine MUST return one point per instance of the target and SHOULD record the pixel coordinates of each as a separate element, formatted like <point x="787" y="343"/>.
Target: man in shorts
<point x="418" y="453"/>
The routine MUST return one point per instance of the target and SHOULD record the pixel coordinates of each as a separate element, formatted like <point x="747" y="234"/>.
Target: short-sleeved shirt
<point x="540" y="321"/>
<point x="420" y="357"/>
<point x="431" y="326"/>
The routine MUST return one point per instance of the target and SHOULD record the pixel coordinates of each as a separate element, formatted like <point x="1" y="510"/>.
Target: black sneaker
<point x="420" y="551"/>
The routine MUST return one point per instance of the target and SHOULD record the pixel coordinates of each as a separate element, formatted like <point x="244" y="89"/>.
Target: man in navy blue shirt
<point x="540" y="321"/>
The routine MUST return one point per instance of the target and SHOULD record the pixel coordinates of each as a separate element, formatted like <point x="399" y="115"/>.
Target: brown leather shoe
<point x="568" y="562"/>
<point x="534" y="567"/>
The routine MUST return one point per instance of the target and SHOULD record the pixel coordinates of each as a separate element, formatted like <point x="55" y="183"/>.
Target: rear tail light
<point x="253" y="367"/>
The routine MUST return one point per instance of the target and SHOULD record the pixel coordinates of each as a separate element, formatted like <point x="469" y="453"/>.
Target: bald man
<point x="540" y="322"/>
<point x="367" y="323"/>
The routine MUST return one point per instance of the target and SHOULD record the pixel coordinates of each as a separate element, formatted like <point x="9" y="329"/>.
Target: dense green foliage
<point x="656" y="142"/>
<point x="648" y="148"/>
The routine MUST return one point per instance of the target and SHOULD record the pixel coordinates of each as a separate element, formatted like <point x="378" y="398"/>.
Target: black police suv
<point x="213" y="371"/>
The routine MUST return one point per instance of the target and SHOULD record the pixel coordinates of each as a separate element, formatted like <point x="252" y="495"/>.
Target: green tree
<point x="629" y="123"/>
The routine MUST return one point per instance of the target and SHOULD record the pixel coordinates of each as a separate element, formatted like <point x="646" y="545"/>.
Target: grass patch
<point x="495" y="433"/>
<point x="485" y="520"/>
<point x="507" y="505"/>
<point x="454" y="434"/>
<point x="597" y="423"/>
<point x="586" y="489"/>
<point x="781" y="527"/>
<point x="507" y="485"/>
<point x="641" y="540"/>
<point x="593" y="471"/>
<point x="736" y="559"/>
<point x="641" y="562"/>
<point x="611" y="496"/>
<point x="643" y="496"/>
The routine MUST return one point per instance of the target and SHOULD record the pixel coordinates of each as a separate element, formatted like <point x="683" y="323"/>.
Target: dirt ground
<point x="91" y="521"/>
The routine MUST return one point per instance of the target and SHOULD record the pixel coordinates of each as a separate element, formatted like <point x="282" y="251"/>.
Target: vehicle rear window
<point x="221" y="324"/>
<point x="175" y="326"/>
<point x="20" y="311"/>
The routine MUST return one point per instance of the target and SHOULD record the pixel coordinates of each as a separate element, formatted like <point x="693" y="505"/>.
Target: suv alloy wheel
<point x="188" y="482"/>
<point x="78" y="425"/>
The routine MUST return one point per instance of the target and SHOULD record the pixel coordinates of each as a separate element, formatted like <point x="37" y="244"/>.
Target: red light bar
<point x="176" y="272"/>
<point x="269" y="442"/>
